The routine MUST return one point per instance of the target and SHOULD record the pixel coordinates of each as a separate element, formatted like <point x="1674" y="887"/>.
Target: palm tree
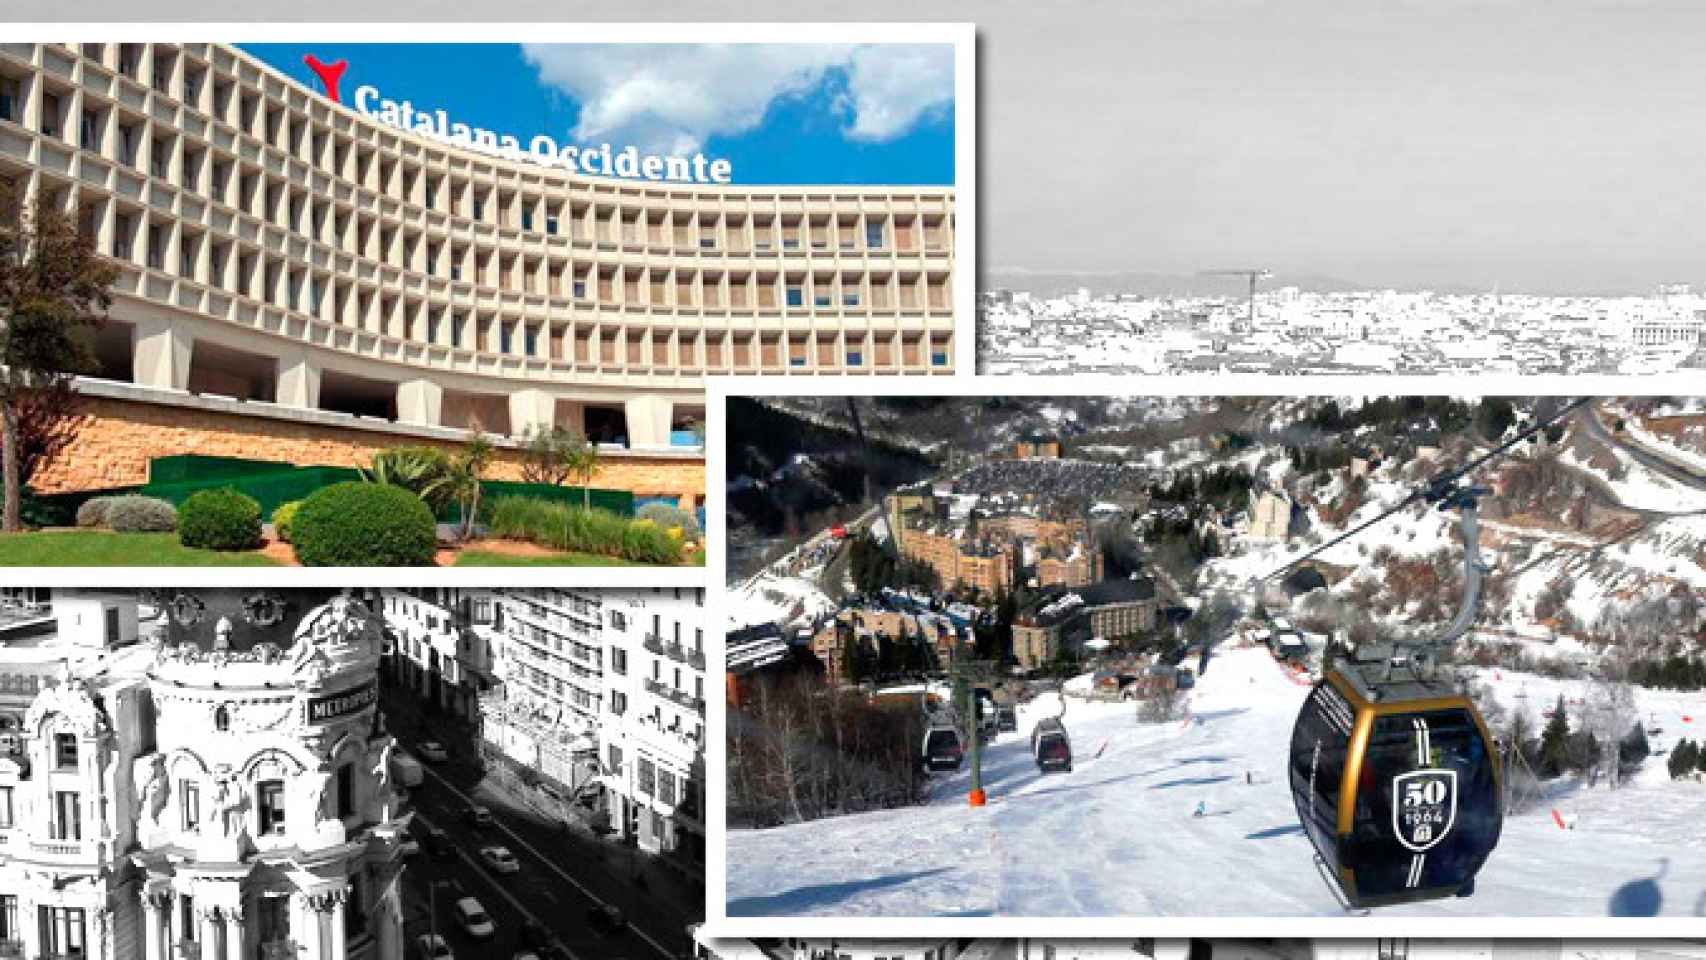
<point x="461" y="482"/>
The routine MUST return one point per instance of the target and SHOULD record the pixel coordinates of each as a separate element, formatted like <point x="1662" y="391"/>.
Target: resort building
<point x="298" y="276"/>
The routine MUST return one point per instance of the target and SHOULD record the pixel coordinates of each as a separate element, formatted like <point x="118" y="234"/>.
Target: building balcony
<point x="654" y="643"/>
<point x="11" y="948"/>
<point x="696" y="659"/>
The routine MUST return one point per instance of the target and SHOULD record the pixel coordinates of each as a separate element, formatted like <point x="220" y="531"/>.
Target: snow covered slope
<point x="1115" y="837"/>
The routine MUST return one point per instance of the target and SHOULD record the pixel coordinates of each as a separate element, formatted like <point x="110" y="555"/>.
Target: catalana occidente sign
<point x="343" y="703"/>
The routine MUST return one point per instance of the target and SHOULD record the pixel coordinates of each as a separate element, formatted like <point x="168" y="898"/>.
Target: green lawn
<point x="103" y="548"/>
<point x="488" y="558"/>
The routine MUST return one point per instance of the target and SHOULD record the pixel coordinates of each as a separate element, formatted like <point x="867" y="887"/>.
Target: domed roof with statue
<point x="239" y="637"/>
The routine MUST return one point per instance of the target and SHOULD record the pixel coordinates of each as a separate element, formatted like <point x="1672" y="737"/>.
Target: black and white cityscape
<point x="360" y="773"/>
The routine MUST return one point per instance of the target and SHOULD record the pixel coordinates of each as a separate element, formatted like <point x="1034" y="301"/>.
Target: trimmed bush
<point x="137" y="514"/>
<point x="667" y="516"/>
<point x="93" y="512"/>
<point x="364" y="525"/>
<point x="221" y="519"/>
<point x="561" y="527"/>
<point x="282" y="519"/>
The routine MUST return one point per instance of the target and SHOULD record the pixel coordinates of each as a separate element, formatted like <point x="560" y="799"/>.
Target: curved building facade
<point x="289" y="253"/>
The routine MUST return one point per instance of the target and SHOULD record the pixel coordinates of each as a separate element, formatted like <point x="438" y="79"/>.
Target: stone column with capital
<point x="207" y="932"/>
<point x="340" y="947"/>
<point x="154" y="904"/>
<point x="236" y="940"/>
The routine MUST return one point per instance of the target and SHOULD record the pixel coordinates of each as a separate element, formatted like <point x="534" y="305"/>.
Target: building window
<point x="9" y="100"/>
<point x="874" y="236"/>
<point x="62" y="931"/>
<point x="796" y="295"/>
<point x="479" y="209"/>
<point x="939" y="358"/>
<point x="346" y="791"/>
<point x="6" y="809"/>
<point x="65" y="751"/>
<point x="503" y="338"/>
<point x="49" y="115"/>
<point x="666" y="787"/>
<point x="580" y="289"/>
<point x="186" y="917"/>
<point x="9" y="918"/>
<point x="532" y="341"/>
<point x="619" y="661"/>
<point x="67" y="822"/>
<point x="647" y="777"/>
<point x="274" y="920"/>
<point x="89" y="136"/>
<point x="270" y="796"/>
<point x="527" y="219"/>
<point x="551" y="226"/>
<point x="821" y="300"/>
<point x="615" y="758"/>
<point x="855" y="358"/>
<point x="190" y="792"/>
<point x="157" y="158"/>
<point x="156" y="247"/>
<point x="618" y="702"/>
<point x="850" y="299"/>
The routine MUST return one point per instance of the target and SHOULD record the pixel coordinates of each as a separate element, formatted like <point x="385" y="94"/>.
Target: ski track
<point x="1115" y="837"/>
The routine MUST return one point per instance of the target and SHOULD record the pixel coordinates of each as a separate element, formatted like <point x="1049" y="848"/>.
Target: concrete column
<point x="530" y="410"/>
<point x="162" y="354"/>
<point x="648" y="421"/>
<point x="572" y="414"/>
<point x="298" y="382"/>
<point x="420" y="401"/>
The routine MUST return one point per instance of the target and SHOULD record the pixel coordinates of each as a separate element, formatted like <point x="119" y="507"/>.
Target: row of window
<point x="604" y="222"/>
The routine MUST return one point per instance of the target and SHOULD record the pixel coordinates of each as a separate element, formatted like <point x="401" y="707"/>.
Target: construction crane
<point x="1252" y="275"/>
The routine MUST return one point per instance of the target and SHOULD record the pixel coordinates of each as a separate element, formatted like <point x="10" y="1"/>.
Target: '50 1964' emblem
<point x="1424" y="806"/>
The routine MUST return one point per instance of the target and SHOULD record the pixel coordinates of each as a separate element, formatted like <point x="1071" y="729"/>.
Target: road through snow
<point x="1115" y="837"/>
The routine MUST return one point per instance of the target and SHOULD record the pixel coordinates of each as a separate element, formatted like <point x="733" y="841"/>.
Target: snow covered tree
<point x="1683" y="758"/>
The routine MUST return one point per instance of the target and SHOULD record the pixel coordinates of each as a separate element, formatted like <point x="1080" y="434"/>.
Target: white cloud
<point x="891" y="86"/>
<point x="669" y="98"/>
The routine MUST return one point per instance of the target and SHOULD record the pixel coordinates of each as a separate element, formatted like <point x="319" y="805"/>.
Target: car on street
<point x="432" y="751"/>
<point x="437" y="843"/>
<point x="475" y="921"/>
<point x="431" y="946"/>
<point x="525" y="955"/>
<point x="500" y="859"/>
<point x="478" y="815"/>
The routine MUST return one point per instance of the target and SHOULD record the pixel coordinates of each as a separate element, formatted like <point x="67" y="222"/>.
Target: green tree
<point x="1555" y="742"/>
<point x="581" y="457"/>
<point x="551" y="455"/>
<point x="1493" y="417"/>
<point x="55" y="291"/>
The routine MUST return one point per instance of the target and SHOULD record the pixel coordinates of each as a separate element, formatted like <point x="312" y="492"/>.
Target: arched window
<point x="222" y="718"/>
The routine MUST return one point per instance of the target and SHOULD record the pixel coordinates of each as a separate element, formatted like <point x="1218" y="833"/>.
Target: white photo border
<point x="720" y="925"/>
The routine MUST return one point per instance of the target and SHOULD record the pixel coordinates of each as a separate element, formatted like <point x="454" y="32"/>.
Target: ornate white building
<point x="220" y="791"/>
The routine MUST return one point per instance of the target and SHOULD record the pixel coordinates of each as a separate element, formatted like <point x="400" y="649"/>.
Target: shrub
<point x="667" y="516"/>
<point x="420" y="470"/>
<point x="221" y="519"/>
<point x="138" y="514"/>
<point x="283" y="517"/>
<point x="562" y="527"/>
<point x="93" y="512"/>
<point x="358" y="524"/>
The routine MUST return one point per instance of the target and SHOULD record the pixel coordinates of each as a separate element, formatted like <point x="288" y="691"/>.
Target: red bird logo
<point x="329" y="73"/>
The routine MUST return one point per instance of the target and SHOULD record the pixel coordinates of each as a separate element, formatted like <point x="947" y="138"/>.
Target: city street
<point x="565" y="873"/>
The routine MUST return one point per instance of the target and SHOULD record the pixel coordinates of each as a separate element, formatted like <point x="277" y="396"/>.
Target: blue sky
<point x="780" y="113"/>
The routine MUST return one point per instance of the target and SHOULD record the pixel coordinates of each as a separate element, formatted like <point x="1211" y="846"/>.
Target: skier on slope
<point x="1201" y="810"/>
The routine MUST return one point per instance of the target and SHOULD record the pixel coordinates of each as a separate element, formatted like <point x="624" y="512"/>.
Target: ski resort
<point x="1413" y="656"/>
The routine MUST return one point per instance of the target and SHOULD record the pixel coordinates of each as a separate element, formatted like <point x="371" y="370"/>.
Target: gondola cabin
<point x="1397" y="785"/>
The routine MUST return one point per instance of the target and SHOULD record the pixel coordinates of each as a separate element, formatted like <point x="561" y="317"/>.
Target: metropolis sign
<point x="333" y="706"/>
<point x="626" y="162"/>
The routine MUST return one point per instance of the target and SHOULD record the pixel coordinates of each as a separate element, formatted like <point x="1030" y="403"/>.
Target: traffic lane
<point x="559" y="906"/>
<point x="665" y="908"/>
<point x="571" y="885"/>
<point x="457" y="881"/>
